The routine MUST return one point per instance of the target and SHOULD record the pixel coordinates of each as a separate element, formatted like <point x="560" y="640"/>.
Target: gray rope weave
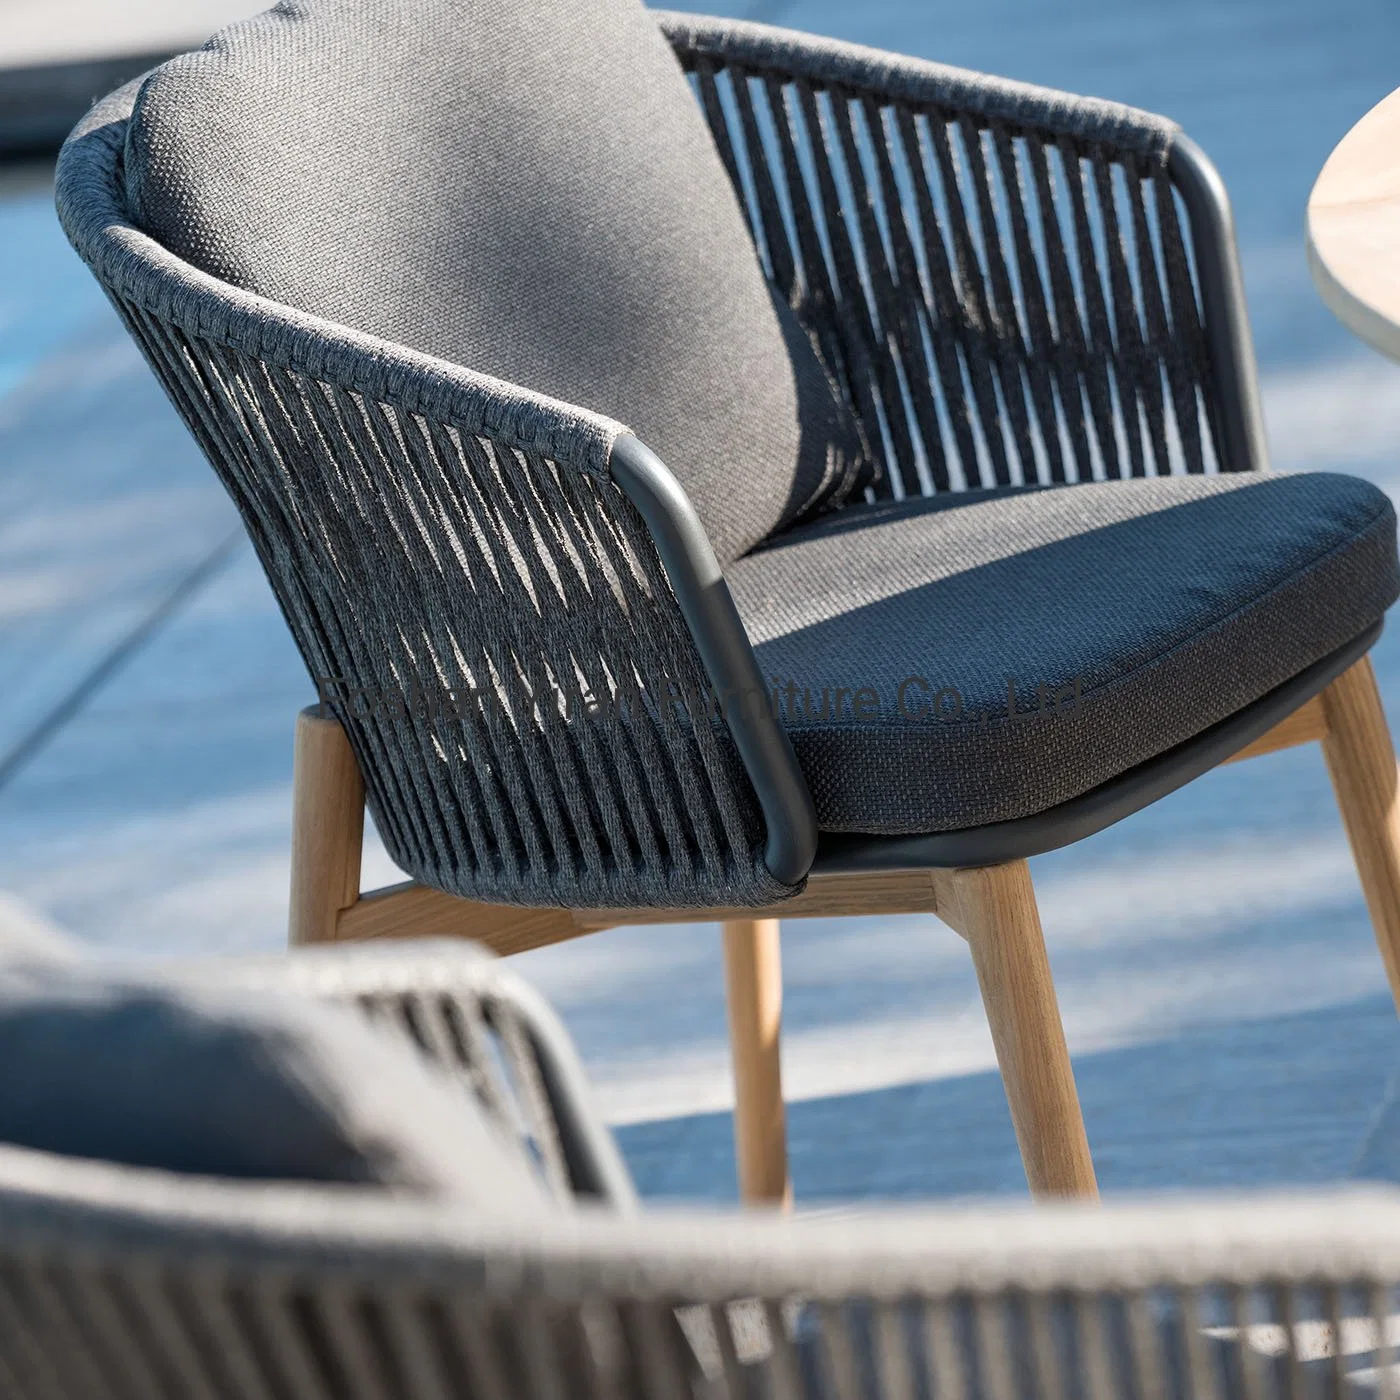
<point x="997" y="273"/>
<point x="453" y="545"/>
<point x="470" y="1016"/>
<point x="114" y="1286"/>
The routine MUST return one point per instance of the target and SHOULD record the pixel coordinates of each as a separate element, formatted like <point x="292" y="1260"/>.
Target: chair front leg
<point x="753" y="974"/>
<point x="1361" y="760"/>
<point x="994" y="909"/>
<point x="328" y="825"/>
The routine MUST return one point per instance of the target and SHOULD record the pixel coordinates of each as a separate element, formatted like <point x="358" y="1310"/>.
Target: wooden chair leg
<point x="1361" y="759"/>
<point x="997" y="914"/>
<point x="328" y="823"/>
<point x="754" y="984"/>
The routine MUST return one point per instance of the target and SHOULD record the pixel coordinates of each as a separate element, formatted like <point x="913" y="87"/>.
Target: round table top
<point x="1354" y="228"/>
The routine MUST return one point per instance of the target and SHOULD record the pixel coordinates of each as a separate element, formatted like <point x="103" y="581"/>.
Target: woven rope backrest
<point x="1005" y="293"/>
<point x="494" y="630"/>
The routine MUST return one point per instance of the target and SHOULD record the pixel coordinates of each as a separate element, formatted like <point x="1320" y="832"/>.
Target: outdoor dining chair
<point x="712" y="472"/>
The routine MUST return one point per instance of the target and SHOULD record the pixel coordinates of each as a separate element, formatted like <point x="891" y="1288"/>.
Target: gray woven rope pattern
<point x="1000" y="272"/>
<point x="483" y="609"/>
<point x="476" y="615"/>
<point x="901" y="79"/>
<point x="113" y="1284"/>
<point x="466" y="1013"/>
<point x="133" y="268"/>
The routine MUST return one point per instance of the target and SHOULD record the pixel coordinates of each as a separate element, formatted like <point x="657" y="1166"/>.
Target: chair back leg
<point x="753" y="973"/>
<point x="328" y="825"/>
<point x="1361" y="760"/>
<point x="994" y="909"/>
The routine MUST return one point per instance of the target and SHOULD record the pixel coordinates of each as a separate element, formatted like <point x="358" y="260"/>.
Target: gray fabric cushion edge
<point x="171" y="1071"/>
<point x="891" y="778"/>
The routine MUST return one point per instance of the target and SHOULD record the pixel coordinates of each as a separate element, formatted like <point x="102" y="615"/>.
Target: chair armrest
<point x="1012" y="284"/>
<point x="704" y="599"/>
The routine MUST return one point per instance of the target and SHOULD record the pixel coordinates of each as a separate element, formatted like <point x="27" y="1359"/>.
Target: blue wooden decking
<point x="1222" y="995"/>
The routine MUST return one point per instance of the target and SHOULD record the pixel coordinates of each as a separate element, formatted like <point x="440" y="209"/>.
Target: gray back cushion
<point x="524" y="187"/>
<point x="183" y="1076"/>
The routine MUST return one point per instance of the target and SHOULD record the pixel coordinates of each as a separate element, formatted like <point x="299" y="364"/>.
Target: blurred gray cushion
<point x="1125" y="617"/>
<point x="182" y="1076"/>
<point x="527" y="189"/>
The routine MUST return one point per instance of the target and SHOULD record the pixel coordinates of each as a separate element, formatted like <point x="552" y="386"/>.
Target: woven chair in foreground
<point x="940" y="536"/>
<point x="122" y="1282"/>
<point x="117" y="1284"/>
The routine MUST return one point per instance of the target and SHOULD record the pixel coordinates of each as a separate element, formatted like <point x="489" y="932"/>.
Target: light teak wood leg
<point x="753" y="974"/>
<point x="328" y="823"/>
<point x="1361" y="760"/>
<point x="997" y="914"/>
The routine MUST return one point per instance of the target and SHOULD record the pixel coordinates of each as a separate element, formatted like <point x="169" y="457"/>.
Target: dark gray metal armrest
<point x="727" y="654"/>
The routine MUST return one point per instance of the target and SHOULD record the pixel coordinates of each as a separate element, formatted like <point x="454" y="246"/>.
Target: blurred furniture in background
<point x="954" y="383"/>
<point x="1354" y="228"/>
<point x="243" y="1067"/>
<point x="473" y="1018"/>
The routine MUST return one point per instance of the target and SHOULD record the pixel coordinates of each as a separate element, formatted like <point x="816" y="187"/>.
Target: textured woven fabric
<point x="523" y="188"/>
<point x="113" y="1286"/>
<point x="185" y="1076"/>
<point x="1122" y="617"/>
<point x="466" y="586"/>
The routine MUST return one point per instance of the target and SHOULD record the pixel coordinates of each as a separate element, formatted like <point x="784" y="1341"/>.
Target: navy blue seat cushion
<point x="1117" y="620"/>
<point x="183" y="1076"/>
<point x="526" y="189"/>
